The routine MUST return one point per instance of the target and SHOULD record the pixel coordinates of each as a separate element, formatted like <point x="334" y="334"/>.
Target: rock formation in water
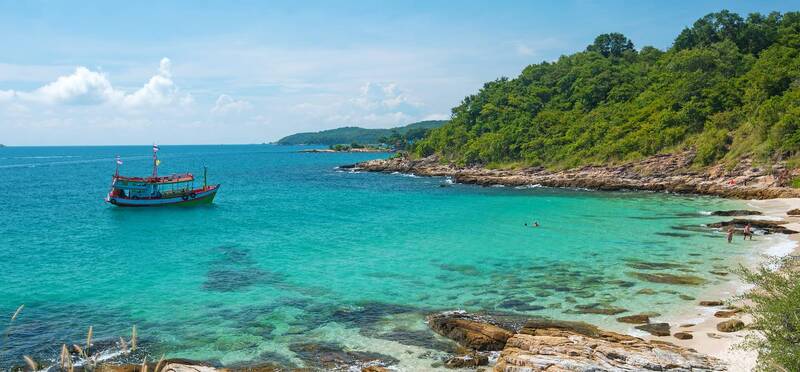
<point x="548" y="345"/>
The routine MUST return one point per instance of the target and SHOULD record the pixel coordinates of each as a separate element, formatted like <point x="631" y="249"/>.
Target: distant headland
<point x="352" y="134"/>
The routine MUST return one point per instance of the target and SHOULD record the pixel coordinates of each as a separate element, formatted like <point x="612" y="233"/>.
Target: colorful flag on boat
<point x="119" y="161"/>
<point x="155" y="148"/>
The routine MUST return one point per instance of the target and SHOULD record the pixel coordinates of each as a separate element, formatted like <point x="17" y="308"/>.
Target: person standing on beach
<point x="730" y="234"/>
<point x="748" y="231"/>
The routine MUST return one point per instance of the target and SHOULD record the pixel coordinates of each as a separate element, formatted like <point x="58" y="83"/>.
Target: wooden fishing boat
<point x="155" y="191"/>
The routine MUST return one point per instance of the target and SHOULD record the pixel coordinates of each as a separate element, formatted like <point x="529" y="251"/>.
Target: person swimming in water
<point x="534" y="224"/>
<point x="730" y="234"/>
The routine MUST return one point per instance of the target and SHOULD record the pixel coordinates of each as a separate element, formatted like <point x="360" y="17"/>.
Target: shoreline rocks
<point x="469" y="331"/>
<point x="655" y="329"/>
<point x="577" y="346"/>
<point x="661" y="173"/>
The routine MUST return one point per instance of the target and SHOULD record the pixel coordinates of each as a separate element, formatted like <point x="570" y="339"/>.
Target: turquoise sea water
<point x="294" y="252"/>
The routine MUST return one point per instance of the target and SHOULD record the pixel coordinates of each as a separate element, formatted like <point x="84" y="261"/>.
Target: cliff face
<point x="662" y="173"/>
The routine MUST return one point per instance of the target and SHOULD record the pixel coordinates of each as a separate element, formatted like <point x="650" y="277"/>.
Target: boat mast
<point x="205" y="174"/>
<point x="155" y="160"/>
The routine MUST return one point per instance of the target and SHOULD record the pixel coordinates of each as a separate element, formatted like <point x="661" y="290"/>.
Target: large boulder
<point x="794" y="212"/>
<point x="635" y="319"/>
<point x="469" y="331"/>
<point x="732" y="325"/>
<point x="576" y="346"/>
<point x="655" y="329"/>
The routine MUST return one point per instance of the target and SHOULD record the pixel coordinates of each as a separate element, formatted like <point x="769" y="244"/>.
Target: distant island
<point x="358" y="135"/>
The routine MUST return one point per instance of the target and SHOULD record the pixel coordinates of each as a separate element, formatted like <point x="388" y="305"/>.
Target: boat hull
<point x="201" y="198"/>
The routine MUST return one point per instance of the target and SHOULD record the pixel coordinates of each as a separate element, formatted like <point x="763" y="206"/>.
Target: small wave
<point x="498" y="185"/>
<point x="412" y="175"/>
<point x="705" y="213"/>
<point x="782" y="248"/>
<point x="523" y="187"/>
<point x="449" y="180"/>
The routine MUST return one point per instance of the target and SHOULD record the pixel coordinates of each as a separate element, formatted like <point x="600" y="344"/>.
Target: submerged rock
<point x="793" y="212"/>
<point x="655" y="329"/>
<point x="469" y="330"/>
<point x="665" y="278"/>
<point x="644" y="265"/>
<point x="683" y="336"/>
<point x="711" y="303"/>
<point x="597" y="308"/>
<point x="330" y="356"/>
<point x="470" y="360"/>
<point x="635" y="319"/>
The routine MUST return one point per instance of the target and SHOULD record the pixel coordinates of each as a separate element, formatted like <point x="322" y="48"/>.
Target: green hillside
<point x="348" y="135"/>
<point x="729" y="87"/>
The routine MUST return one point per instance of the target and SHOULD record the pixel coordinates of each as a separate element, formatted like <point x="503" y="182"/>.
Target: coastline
<point x="659" y="173"/>
<point x="708" y="339"/>
<point x="760" y="192"/>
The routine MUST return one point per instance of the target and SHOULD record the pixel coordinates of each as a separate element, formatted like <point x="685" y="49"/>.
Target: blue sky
<point x="180" y="72"/>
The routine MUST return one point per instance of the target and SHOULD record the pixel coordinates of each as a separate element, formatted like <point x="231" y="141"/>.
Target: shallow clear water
<point x="295" y="252"/>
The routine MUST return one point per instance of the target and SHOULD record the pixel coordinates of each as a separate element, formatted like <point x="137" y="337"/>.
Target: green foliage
<point x="613" y="44"/>
<point x="358" y="135"/>
<point x="729" y="87"/>
<point x="775" y="308"/>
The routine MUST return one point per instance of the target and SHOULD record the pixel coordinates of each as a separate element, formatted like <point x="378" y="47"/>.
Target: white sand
<point x="706" y="337"/>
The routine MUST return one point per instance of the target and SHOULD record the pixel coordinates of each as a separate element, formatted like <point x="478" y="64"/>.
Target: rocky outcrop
<point x="772" y="227"/>
<point x="668" y="172"/>
<point x="576" y="346"/>
<point x="736" y="212"/>
<point x="793" y="212"/>
<point x="469" y="331"/>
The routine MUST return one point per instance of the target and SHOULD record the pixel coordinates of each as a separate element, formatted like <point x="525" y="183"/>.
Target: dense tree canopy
<point x="729" y="87"/>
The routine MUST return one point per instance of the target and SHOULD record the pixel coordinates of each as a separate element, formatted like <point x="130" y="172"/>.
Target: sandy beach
<point x="700" y="320"/>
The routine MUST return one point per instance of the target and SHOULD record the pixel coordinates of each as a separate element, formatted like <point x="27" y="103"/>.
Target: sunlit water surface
<point x="296" y="253"/>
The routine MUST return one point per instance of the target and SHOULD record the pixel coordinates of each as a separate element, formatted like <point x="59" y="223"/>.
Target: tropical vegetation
<point x="728" y="87"/>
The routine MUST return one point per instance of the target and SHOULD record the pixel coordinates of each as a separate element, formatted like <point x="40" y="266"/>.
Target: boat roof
<point x="173" y="178"/>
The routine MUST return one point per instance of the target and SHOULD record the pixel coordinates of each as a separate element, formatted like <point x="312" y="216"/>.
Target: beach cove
<point x="299" y="259"/>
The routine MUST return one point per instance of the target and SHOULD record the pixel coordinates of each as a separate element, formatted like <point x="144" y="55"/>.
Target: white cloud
<point x="383" y="96"/>
<point x="226" y="104"/>
<point x="81" y="87"/>
<point x="378" y="104"/>
<point x="87" y="87"/>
